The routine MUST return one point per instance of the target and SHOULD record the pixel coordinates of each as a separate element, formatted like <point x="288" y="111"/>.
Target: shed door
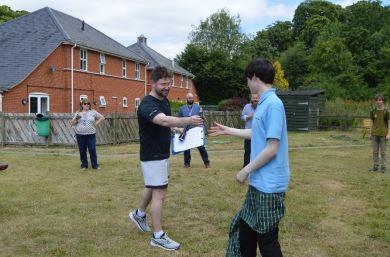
<point x="301" y="116"/>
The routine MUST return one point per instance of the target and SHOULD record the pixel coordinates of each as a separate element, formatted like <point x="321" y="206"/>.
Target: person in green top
<point x="380" y="133"/>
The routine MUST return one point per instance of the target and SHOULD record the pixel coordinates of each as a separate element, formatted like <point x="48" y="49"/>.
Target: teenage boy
<point x="257" y="223"/>
<point x="380" y="133"/>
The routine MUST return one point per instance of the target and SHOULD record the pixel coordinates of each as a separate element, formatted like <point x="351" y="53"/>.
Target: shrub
<point x="175" y="105"/>
<point x="235" y="103"/>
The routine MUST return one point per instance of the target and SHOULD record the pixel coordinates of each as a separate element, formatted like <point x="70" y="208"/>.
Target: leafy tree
<point x="6" y="13"/>
<point x="220" y="31"/>
<point x="296" y="65"/>
<point x="216" y="56"/>
<point x="280" y="82"/>
<point x="280" y="35"/>
<point x="310" y="8"/>
<point x="262" y="46"/>
<point x="313" y="28"/>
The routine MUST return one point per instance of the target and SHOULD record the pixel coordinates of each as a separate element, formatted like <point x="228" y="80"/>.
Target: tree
<point x="280" y="35"/>
<point x="220" y="31"/>
<point x="310" y="8"/>
<point x="280" y="82"/>
<point x="215" y="56"/>
<point x="6" y="13"/>
<point x="296" y="65"/>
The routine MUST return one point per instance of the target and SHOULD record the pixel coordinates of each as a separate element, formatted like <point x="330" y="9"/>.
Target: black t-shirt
<point x="155" y="140"/>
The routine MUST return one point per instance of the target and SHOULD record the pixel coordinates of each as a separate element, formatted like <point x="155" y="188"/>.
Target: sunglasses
<point x="86" y="103"/>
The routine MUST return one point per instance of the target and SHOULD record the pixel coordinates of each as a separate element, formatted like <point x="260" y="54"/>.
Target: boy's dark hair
<point x="160" y="72"/>
<point x="380" y="96"/>
<point x="262" y="69"/>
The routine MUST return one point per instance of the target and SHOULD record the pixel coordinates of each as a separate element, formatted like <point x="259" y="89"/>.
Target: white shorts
<point x="155" y="173"/>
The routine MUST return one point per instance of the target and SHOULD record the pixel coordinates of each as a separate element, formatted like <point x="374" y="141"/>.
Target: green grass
<point x="335" y="207"/>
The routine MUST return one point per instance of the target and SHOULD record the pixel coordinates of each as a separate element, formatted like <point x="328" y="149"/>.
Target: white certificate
<point x="195" y="137"/>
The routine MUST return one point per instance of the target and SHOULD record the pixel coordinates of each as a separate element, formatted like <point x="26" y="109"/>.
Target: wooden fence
<point x="21" y="128"/>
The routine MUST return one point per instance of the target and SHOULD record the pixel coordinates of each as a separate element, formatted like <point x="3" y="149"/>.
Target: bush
<point x="343" y="112"/>
<point x="175" y="105"/>
<point x="235" y="103"/>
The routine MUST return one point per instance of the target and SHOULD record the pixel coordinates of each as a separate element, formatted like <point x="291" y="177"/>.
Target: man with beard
<point x="188" y="110"/>
<point x="155" y="121"/>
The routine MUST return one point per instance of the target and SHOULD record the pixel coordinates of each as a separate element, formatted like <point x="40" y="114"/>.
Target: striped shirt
<point x="261" y="211"/>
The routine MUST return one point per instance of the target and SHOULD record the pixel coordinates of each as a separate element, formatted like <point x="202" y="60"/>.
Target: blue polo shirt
<point x="269" y="122"/>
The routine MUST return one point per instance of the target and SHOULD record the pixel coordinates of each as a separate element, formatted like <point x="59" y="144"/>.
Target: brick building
<point x="182" y="80"/>
<point x="49" y="61"/>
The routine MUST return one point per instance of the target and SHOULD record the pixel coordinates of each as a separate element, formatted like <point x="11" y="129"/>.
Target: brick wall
<point x="53" y="77"/>
<point x="57" y="83"/>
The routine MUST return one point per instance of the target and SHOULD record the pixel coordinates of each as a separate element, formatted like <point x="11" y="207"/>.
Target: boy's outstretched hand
<point x="217" y="130"/>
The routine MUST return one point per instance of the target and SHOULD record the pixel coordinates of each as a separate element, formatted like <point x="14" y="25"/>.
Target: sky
<point x="166" y="24"/>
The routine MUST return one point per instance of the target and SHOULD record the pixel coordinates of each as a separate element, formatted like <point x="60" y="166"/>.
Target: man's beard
<point x="162" y="92"/>
<point x="190" y="102"/>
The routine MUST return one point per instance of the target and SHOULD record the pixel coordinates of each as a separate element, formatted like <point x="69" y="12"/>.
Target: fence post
<point x="115" y="117"/>
<point x="2" y="127"/>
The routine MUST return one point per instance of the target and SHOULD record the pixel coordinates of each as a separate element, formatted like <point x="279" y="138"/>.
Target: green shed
<point x="303" y="108"/>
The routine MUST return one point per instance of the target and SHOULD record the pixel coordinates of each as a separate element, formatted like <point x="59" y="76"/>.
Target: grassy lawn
<point x="335" y="207"/>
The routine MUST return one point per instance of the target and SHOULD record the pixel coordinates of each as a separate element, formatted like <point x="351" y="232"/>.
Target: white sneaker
<point x="139" y="221"/>
<point x="165" y="243"/>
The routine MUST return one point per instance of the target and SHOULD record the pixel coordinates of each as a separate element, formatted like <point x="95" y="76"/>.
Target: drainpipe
<point x="1" y="102"/>
<point x="71" y="77"/>
<point x="146" y="80"/>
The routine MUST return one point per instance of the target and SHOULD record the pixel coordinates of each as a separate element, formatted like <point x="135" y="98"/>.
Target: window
<point x="102" y="101"/>
<point x="124" y="102"/>
<point x="173" y="80"/>
<point x="102" y="62"/>
<point x="187" y="82"/>
<point x="1" y="103"/>
<point x="83" y="59"/>
<point x="124" y="68"/>
<point x="38" y="103"/>
<point x="82" y="97"/>
<point x="137" y="70"/>
<point x="181" y="81"/>
<point x="137" y="102"/>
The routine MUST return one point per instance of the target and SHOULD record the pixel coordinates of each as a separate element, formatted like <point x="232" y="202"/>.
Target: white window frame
<point x="181" y="81"/>
<point x="137" y="70"/>
<point x="173" y="80"/>
<point x="187" y="82"/>
<point x="124" y="69"/>
<point x="39" y="97"/>
<point x="137" y="102"/>
<point x="102" y="101"/>
<point x="125" y="102"/>
<point x="83" y="59"/>
<point x="82" y="97"/>
<point x="102" y="63"/>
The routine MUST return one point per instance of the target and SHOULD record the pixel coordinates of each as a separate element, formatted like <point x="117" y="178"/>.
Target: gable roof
<point x="27" y="41"/>
<point x="155" y="59"/>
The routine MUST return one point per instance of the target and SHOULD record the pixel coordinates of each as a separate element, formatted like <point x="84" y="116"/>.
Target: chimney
<point x="142" y="39"/>
<point x="82" y="25"/>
